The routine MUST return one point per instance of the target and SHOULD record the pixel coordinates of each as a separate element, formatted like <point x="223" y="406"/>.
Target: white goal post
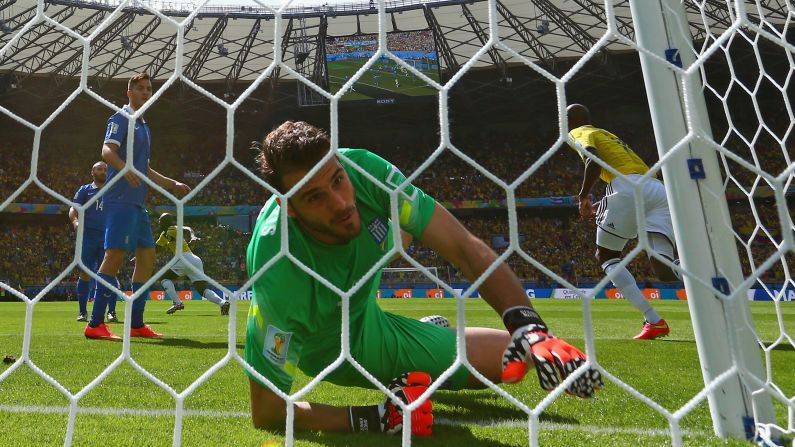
<point x="717" y="293"/>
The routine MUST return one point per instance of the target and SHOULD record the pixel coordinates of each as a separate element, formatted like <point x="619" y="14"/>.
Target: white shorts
<point x="616" y="220"/>
<point x="180" y="269"/>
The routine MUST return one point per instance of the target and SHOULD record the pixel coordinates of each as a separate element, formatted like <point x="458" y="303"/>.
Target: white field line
<point x="79" y="333"/>
<point x="508" y="423"/>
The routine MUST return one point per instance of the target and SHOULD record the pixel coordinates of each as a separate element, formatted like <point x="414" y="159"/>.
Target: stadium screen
<point x="385" y="82"/>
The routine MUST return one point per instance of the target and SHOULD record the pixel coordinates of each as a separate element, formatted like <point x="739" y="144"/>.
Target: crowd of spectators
<point x="449" y="178"/>
<point x="410" y="41"/>
<point x="36" y="254"/>
<point x="504" y="154"/>
<point x="398" y="41"/>
<point x="566" y="247"/>
<point x="349" y="44"/>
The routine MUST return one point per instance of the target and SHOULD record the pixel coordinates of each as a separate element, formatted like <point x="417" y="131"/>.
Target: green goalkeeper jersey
<point x="295" y="322"/>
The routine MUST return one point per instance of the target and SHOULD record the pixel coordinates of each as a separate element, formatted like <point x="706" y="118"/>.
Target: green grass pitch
<point x="367" y="86"/>
<point x="667" y="371"/>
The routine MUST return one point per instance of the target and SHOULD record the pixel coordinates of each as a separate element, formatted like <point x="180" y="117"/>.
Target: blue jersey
<point x="121" y="191"/>
<point x="95" y="215"/>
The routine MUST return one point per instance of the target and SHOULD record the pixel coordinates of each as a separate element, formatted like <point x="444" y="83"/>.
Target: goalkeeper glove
<point x="387" y="417"/>
<point x="554" y="359"/>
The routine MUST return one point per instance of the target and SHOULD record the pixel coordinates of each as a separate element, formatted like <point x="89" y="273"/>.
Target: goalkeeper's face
<point x="325" y="206"/>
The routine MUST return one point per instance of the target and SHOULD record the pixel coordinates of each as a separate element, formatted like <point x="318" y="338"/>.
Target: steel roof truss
<point x="110" y="69"/>
<point x="200" y="56"/>
<point x="242" y="55"/>
<point x="542" y="52"/>
<point x="499" y="62"/>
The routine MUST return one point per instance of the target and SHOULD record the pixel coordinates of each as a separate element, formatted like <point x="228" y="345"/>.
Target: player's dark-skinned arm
<point x="161" y="244"/>
<point x="531" y="340"/>
<point x="111" y="156"/>
<point x="589" y="178"/>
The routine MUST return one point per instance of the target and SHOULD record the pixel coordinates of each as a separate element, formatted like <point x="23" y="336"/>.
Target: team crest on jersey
<point x="378" y="229"/>
<point x="112" y="128"/>
<point x="276" y="344"/>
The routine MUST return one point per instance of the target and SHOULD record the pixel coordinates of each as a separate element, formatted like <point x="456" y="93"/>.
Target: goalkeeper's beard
<point x="343" y="227"/>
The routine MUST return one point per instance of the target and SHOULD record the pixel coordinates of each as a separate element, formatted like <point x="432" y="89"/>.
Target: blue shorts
<point x="93" y="248"/>
<point x="127" y="227"/>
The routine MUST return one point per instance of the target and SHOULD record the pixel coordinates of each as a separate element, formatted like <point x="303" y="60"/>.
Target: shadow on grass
<point x="460" y="425"/>
<point x="150" y="322"/>
<point x="491" y="407"/>
<point x="786" y="347"/>
<point x="443" y="436"/>
<point x="196" y="344"/>
<point x="668" y="340"/>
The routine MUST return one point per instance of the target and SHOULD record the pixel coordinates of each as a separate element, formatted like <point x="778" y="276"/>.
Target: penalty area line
<point x="508" y="423"/>
<point x="556" y="426"/>
<point x="220" y="335"/>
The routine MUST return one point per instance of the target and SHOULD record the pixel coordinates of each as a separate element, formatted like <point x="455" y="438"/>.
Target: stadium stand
<point x="553" y="236"/>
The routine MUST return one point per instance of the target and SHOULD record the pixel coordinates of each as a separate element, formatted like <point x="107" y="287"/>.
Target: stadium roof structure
<point x="235" y="43"/>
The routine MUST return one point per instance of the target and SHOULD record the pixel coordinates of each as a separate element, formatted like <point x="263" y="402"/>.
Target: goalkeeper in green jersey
<point x="339" y="227"/>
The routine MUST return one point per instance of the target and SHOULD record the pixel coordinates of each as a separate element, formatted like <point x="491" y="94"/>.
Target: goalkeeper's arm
<point x="532" y="343"/>
<point x="269" y="411"/>
<point x="448" y="237"/>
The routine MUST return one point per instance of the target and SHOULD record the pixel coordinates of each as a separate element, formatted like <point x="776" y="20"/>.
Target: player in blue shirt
<point x="127" y="221"/>
<point x="93" y="237"/>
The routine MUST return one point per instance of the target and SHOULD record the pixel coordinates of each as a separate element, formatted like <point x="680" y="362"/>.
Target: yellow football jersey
<point x="609" y="148"/>
<point x="168" y="239"/>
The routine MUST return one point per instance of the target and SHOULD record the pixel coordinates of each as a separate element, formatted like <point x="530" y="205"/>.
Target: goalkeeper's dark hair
<point x="293" y="146"/>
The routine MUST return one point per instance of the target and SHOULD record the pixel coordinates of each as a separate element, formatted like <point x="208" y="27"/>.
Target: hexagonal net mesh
<point x="740" y="151"/>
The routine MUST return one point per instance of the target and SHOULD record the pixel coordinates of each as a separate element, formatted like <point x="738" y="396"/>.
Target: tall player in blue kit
<point x="127" y="227"/>
<point x="93" y="237"/>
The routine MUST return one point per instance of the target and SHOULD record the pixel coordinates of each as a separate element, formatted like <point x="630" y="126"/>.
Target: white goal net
<point x="718" y="81"/>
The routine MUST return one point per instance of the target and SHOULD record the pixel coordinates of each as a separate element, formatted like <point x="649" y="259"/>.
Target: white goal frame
<point x="731" y="364"/>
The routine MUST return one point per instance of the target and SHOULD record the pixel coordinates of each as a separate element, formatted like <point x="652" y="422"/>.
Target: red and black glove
<point x="554" y="359"/>
<point x="387" y="417"/>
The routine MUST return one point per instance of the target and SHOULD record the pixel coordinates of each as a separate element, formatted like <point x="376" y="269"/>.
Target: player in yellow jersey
<point x="616" y="221"/>
<point x="168" y="240"/>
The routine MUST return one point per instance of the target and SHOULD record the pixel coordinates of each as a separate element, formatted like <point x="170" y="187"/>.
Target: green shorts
<point x="390" y="345"/>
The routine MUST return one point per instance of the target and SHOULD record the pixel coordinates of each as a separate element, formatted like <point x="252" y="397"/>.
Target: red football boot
<point x="652" y="331"/>
<point x="144" y="331"/>
<point x="100" y="332"/>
